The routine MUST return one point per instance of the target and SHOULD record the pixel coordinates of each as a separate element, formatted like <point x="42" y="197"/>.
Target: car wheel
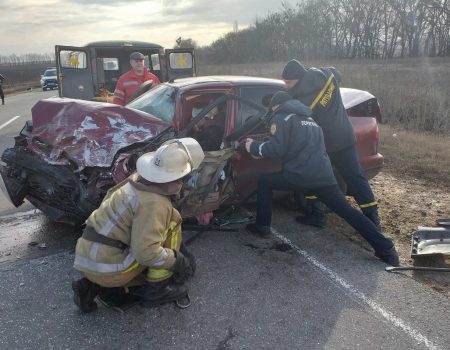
<point x="44" y="89"/>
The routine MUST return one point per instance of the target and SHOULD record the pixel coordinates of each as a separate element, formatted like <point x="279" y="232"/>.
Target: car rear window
<point x="50" y="73"/>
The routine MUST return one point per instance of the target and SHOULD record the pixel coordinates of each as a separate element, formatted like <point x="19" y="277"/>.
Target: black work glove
<point x="184" y="267"/>
<point x="189" y="256"/>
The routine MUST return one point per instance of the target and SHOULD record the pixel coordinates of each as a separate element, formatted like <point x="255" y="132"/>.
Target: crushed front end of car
<point x="72" y="152"/>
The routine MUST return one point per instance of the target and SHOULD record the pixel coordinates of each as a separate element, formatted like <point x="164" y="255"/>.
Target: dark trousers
<point x="346" y="161"/>
<point x="331" y="196"/>
<point x="2" y="96"/>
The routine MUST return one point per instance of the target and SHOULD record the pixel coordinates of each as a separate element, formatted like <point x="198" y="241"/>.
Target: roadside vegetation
<point x="415" y="135"/>
<point x="416" y="154"/>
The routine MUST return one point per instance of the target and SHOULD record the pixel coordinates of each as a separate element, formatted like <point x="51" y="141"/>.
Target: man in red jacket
<point x="131" y="80"/>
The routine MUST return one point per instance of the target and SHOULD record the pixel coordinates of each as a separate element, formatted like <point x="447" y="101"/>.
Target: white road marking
<point x="9" y="121"/>
<point x="21" y="214"/>
<point x="396" y="321"/>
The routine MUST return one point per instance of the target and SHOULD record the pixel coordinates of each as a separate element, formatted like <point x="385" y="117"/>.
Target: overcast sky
<point x="28" y="26"/>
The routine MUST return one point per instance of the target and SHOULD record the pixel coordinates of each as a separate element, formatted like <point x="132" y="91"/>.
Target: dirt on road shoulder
<point x="405" y="204"/>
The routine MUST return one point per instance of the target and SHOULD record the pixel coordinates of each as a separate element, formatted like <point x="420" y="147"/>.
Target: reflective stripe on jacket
<point x="128" y="84"/>
<point x="138" y="218"/>
<point x="319" y="89"/>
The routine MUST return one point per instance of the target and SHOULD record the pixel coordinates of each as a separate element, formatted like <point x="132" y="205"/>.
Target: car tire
<point x="44" y="89"/>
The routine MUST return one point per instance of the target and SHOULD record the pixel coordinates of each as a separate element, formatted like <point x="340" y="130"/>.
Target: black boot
<point x="372" y="215"/>
<point x="84" y="293"/>
<point x="119" y="297"/>
<point x="316" y="216"/>
<point x="390" y="257"/>
<point x="157" y="293"/>
<point x="259" y="230"/>
<point x="312" y="220"/>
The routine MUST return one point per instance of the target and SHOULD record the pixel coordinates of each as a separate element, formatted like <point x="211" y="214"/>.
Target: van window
<point x="73" y="59"/>
<point x="155" y="62"/>
<point x="180" y="60"/>
<point x="110" y="64"/>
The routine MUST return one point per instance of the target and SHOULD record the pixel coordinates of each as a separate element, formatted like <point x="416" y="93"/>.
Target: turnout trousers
<point x="331" y="196"/>
<point x="346" y="161"/>
<point x="136" y="274"/>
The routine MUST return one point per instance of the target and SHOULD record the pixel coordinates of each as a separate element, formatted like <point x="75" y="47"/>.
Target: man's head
<point x="292" y="73"/>
<point x="137" y="62"/>
<point x="173" y="160"/>
<point x="278" y="99"/>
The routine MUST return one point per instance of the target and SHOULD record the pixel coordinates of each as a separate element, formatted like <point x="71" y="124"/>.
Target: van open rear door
<point x="180" y="63"/>
<point x="74" y="72"/>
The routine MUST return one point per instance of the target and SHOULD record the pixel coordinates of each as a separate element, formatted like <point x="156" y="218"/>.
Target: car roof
<point x="225" y="80"/>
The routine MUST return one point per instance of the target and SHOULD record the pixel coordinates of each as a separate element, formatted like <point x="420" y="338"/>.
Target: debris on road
<point x="428" y="241"/>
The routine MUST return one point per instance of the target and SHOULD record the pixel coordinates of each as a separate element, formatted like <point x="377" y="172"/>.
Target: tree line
<point x="369" y="29"/>
<point x="37" y="58"/>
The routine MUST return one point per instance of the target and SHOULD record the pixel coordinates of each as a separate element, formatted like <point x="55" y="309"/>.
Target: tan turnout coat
<point x="137" y="216"/>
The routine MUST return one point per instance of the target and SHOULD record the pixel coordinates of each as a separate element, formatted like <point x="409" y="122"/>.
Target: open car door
<point x="229" y="173"/>
<point x="74" y="72"/>
<point x="180" y="63"/>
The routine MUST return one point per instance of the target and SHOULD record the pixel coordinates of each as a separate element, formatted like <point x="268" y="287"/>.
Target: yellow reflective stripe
<point x="174" y="240"/>
<point x="319" y="96"/>
<point x="158" y="274"/>
<point x="310" y="197"/>
<point x="132" y="267"/>
<point x="371" y="204"/>
<point x="172" y="225"/>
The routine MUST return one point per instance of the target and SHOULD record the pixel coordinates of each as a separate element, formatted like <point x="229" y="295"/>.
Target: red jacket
<point x="128" y="83"/>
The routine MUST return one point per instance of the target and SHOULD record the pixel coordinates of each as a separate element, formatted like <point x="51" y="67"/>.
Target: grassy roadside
<point x="416" y="155"/>
<point x="412" y="94"/>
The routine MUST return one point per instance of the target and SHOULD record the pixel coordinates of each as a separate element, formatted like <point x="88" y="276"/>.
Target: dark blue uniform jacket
<point x="298" y="141"/>
<point x="319" y="89"/>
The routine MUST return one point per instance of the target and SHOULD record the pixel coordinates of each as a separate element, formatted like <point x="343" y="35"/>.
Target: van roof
<point x="115" y="43"/>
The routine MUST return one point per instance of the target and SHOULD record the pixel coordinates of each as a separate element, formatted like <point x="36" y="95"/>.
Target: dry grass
<point x="418" y="155"/>
<point x="413" y="93"/>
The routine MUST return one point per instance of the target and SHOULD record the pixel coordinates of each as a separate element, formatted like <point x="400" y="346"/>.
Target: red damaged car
<point x="73" y="151"/>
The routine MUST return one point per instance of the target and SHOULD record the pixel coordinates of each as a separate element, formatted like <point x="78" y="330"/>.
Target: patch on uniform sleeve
<point x="273" y="128"/>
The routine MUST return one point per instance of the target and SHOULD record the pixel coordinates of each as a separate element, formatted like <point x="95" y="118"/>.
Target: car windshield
<point x="50" y="73"/>
<point x="159" y="102"/>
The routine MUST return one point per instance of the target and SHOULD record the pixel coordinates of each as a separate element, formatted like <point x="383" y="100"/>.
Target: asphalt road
<point x="300" y="289"/>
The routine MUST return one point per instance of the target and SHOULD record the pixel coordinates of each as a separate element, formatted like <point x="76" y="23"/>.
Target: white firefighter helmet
<point x="171" y="161"/>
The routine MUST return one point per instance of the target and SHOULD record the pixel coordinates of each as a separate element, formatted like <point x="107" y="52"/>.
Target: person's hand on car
<point x="248" y="144"/>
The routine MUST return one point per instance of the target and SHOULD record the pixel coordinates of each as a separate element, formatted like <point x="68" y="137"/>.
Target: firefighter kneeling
<point x="131" y="249"/>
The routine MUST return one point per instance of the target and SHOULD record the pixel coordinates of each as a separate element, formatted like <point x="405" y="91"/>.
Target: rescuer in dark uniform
<point x="2" y="95"/>
<point x="298" y="141"/>
<point x="318" y="88"/>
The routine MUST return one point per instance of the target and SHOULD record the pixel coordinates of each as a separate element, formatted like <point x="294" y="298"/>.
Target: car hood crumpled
<point x="87" y="133"/>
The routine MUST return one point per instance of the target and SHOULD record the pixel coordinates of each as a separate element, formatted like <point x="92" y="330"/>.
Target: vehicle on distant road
<point x="73" y="151"/>
<point x="49" y="79"/>
<point x="91" y="72"/>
